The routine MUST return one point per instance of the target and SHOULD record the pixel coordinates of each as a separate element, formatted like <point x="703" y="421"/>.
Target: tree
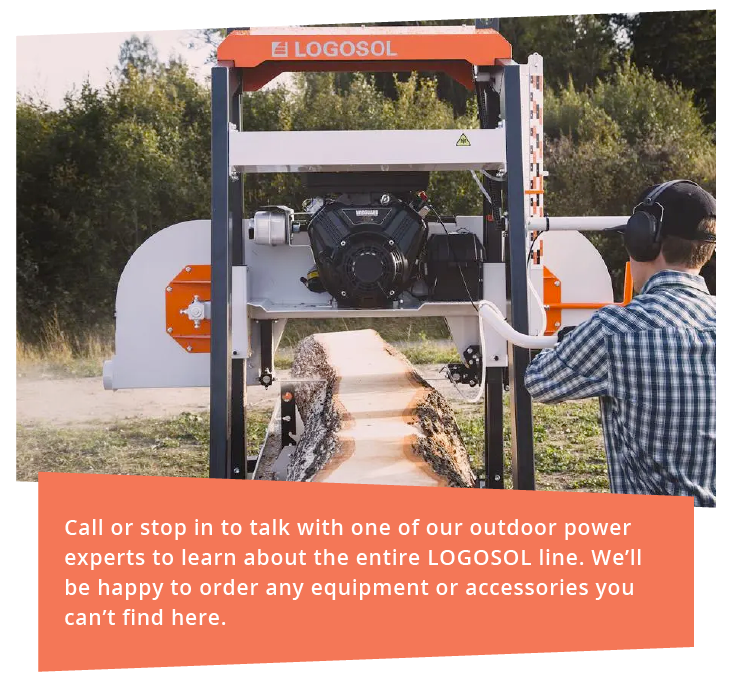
<point x="607" y="144"/>
<point x="138" y="54"/>
<point x="114" y="165"/>
<point x="577" y="48"/>
<point x="95" y="179"/>
<point x="677" y="47"/>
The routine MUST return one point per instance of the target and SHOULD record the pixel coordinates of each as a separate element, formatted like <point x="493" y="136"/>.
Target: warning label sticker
<point x="463" y="141"/>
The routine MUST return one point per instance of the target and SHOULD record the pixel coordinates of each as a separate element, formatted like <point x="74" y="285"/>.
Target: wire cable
<point x="449" y="247"/>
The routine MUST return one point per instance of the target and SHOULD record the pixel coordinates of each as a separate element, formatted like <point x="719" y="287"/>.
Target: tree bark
<point x="369" y="417"/>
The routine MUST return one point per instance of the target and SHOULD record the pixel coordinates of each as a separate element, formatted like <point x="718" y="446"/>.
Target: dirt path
<point x="83" y="401"/>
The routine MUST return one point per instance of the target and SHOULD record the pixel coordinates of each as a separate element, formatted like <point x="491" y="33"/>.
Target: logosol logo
<point x="333" y="49"/>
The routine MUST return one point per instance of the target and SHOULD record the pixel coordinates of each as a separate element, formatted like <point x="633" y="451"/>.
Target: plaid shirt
<point x="653" y="365"/>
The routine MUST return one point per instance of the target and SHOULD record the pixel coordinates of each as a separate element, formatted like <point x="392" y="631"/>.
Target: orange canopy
<point x="265" y="53"/>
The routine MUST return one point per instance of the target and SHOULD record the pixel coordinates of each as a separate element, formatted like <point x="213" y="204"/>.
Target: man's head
<point x="672" y="227"/>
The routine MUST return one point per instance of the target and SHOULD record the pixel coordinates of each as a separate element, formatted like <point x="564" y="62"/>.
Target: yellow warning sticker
<point x="463" y="141"/>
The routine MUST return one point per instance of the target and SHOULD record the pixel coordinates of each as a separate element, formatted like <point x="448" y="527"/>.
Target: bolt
<point x="170" y="329"/>
<point x="556" y="324"/>
<point x="497" y="478"/>
<point x="187" y="269"/>
<point x="189" y="348"/>
<point x="237" y="471"/>
<point x="496" y="358"/>
<point x="390" y="293"/>
<point x="469" y="350"/>
<point x="342" y="243"/>
<point x="169" y="289"/>
<point x="385" y="199"/>
<point x="342" y="293"/>
<point x="391" y="243"/>
<point x="236" y="352"/>
<point x="557" y="283"/>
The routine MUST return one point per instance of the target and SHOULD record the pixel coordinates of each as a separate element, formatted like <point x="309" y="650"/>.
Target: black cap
<point x="684" y="205"/>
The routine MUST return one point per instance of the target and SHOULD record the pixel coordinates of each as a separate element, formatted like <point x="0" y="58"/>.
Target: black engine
<point x="367" y="248"/>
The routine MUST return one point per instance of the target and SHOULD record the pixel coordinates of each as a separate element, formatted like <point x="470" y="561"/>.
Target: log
<point x="369" y="417"/>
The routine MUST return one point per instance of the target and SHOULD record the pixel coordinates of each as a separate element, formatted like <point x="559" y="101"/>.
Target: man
<point x="652" y="363"/>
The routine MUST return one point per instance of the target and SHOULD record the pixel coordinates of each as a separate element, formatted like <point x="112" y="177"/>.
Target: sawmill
<point x="204" y="303"/>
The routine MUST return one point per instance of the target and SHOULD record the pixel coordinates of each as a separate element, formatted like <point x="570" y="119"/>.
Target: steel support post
<point x="523" y="467"/>
<point x="238" y="365"/>
<point x="227" y="403"/>
<point x="492" y="235"/>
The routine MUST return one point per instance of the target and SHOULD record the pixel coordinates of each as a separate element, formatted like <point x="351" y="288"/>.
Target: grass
<point x="569" y="451"/>
<point x="392" y="329"/>
<point x="175" y="447"/>
<point x="58" y="354"/>
<point x="569" y="454"/>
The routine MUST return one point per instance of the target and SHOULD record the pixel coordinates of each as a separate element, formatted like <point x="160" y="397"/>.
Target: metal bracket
<point x="469" y="372"/>
<point x="288" y="415"/>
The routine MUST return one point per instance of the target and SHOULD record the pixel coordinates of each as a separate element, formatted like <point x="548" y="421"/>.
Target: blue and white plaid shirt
<point x="653" y="366"/>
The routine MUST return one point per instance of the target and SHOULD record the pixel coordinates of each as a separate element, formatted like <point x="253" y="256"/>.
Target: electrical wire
<point x="449" y="247"/>
<point x="533" y="243"/>
<point x="477" y="310"/>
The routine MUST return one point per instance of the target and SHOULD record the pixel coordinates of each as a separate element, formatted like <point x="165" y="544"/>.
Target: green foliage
<point x="606" y="144"/>
<point x="677" y="47"/>
<point x="580" y="48"/>
<point x="139" y="54"/>
<point x="101" y="174"/>
<point x="95" y="179"/>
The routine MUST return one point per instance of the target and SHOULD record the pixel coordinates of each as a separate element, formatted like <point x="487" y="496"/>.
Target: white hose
<point x="490" y="313"/>
<point x="544" y="317"/>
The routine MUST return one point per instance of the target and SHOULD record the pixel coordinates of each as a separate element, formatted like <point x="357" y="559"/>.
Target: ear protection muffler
<point x="643" y="233"/>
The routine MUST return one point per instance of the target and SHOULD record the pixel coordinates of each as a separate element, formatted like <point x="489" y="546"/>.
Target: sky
<point x="49" y="66"/>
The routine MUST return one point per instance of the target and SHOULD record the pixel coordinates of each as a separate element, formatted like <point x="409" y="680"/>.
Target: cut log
<point x="369" y="417"/>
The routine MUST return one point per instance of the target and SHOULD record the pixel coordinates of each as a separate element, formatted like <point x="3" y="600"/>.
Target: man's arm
<point x="575" y="368"/>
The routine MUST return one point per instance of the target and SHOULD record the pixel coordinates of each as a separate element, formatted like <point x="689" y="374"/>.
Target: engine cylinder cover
<point x="367" y="254"/>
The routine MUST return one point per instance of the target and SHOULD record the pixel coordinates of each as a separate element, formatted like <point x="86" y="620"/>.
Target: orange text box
<point x="583" y="572"/>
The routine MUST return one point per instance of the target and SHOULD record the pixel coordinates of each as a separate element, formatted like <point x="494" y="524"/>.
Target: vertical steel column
<point x="220" y="463"/>
<point x="492" y="236"/>
<point x="520" y="401"/>
<point x="238" y="258"/>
